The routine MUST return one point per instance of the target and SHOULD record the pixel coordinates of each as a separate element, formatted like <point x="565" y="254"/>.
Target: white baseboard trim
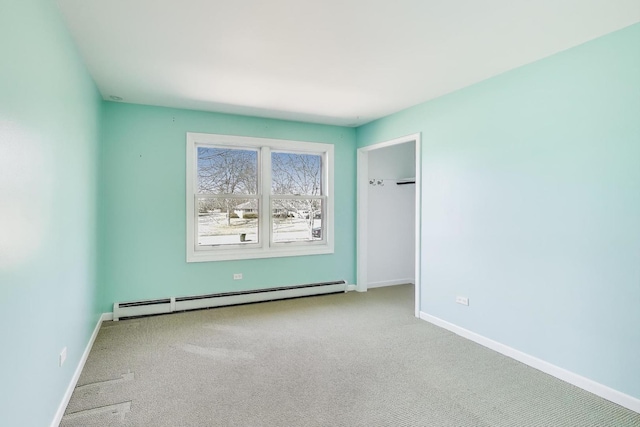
<point x="76" y="375"/>
<point x="351" y="288"/>
<point x="598" y="389"/>
<point x="389" y="283"/>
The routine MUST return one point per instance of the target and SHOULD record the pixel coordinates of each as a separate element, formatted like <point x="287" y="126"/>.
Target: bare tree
<point x="298" y="175"/>
<point x="226" y="171"/>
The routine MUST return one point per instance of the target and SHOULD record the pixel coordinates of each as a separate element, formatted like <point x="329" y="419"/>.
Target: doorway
<point x="388" y="186"/>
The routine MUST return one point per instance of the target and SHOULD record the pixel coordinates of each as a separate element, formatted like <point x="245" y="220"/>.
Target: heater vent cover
<point x="168" y="305"/>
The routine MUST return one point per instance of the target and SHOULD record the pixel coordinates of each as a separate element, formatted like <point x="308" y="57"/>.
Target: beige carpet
<point x="339" y="360"/>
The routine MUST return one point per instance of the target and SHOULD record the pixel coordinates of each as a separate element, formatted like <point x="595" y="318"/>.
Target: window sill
<point x="251" y="253"/>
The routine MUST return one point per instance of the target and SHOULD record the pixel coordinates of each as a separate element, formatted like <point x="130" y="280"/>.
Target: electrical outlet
<point x="462" y="300"/>
<point x="237" y="276"/>
<point x="63" y="356"/>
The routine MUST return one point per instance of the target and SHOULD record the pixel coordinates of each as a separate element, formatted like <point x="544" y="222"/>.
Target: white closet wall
<point x="391" y="216"/>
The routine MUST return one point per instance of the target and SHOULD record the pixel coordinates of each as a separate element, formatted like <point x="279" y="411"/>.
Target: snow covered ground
<point x="213" y="229"/>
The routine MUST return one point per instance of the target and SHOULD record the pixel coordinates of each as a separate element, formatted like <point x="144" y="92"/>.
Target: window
<point x="296" y="197"/>
<point x="257" y="198"/>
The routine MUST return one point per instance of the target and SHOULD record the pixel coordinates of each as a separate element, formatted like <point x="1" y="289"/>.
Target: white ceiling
<point x="342" y="62"/>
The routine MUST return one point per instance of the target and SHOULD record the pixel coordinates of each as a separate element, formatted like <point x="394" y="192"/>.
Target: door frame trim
<point x="362" y="202"/>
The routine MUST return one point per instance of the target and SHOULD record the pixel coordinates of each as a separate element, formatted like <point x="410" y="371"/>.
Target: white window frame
<point x="265" y="248"/>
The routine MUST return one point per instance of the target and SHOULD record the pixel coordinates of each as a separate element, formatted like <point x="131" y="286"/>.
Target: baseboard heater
<point x="123" y="310"/>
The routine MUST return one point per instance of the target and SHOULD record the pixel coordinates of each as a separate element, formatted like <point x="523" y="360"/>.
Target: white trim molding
<point x="390" y="283"/>
<point x="76" y="375"/>
<point x="591" y="386"/>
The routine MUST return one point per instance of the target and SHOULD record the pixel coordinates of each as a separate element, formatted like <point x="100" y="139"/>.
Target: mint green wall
<point x="143" y="213"/>
<point x="49" y="112"/>
<point x="531" y="207"/>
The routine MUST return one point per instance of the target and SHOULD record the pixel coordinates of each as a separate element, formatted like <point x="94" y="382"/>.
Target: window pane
<point x="227" y="221"/>
<point x="296" y="174"/>
<point x="298" y="220"/>
<point x="227" y="171"/>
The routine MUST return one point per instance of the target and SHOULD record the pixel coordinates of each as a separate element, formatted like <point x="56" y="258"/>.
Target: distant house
<point x="248" y="207"/>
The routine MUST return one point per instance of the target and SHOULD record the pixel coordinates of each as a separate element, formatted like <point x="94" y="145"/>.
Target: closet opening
<point x="389" y="215"/>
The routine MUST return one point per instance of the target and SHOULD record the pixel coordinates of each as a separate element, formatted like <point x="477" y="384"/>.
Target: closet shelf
<point x="406" y="181"/>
